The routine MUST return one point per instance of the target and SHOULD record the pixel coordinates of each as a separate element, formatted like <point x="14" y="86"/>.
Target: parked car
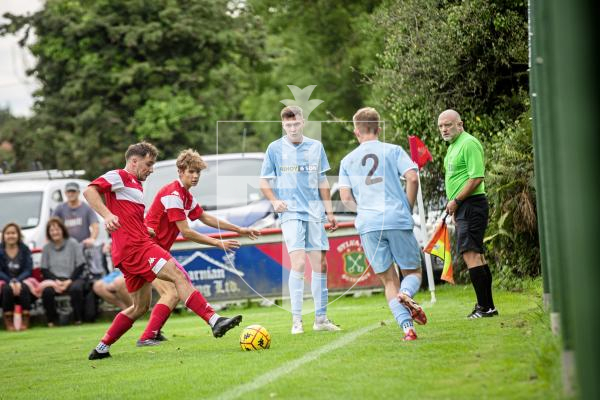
<point x="228" y="189"/>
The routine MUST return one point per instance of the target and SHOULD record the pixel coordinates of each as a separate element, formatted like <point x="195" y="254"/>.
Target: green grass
<point x="513" y="356"/>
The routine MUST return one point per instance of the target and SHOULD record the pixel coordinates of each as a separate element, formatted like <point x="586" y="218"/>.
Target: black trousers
<point x="9" y="299"/>
<point x="75" y="292"/>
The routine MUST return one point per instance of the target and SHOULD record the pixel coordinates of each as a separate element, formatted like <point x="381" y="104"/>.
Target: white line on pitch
<point x="285" y="369"/>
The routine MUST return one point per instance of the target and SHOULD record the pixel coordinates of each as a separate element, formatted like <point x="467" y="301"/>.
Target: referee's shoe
<point x="480" y="312"/>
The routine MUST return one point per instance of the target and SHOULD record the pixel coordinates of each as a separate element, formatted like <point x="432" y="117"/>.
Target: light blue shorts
<point x="304" y="235"/>
<point x="110" y="278"/>
<point x="384" y="247"/>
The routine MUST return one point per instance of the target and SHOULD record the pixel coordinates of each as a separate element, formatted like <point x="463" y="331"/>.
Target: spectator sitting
<point x="112" y="289"/>
<point x="15" y="267"/>
<point x="62" y="268"/>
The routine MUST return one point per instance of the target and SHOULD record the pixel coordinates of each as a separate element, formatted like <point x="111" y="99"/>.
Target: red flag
<point x="418" y="151"/>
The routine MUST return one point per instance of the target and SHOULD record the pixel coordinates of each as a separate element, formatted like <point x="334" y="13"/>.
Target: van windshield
<point x="233" y="182"/>
<point x="21" y="207"/>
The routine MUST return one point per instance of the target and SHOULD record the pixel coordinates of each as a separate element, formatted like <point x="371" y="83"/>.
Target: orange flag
<point x="439" y="246"/>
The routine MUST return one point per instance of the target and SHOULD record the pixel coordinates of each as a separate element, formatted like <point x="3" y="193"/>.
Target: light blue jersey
<point x="296" y="171"/>
<point x="373" y="172"/>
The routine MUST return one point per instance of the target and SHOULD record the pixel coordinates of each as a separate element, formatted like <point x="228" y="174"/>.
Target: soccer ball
<point x="255" y="337"/>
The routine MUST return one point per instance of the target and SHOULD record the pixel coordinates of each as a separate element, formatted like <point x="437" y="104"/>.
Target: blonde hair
<point x="366" y="120"/>
<point x="189" y="158"/>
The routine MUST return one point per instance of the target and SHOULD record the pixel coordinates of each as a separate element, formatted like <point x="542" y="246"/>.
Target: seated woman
<point x="111" y="288"/>
<point x="62" y="268"/>
<point x="15" y="267"/>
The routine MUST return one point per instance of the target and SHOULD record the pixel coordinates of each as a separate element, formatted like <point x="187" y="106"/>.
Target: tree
<point x="115" y="72"/>
<point x="471" y="56"/>
<point x="330" y="44"/>
<point x="19" y="150"/>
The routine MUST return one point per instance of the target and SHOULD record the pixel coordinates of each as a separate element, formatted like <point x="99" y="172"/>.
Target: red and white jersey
<point x="125" y="199"/>
<point x="172" y="203"/>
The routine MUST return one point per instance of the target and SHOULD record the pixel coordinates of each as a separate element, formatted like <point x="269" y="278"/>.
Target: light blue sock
<point x="296" y="284"/>
<point x="320" y="293"/>
<point x="401" y="315"/>
<point x="410" y="285"/>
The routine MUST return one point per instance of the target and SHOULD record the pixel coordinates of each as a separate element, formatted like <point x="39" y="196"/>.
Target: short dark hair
<point x="141" y="149"/>
<point x="61" y="225"/>
<point x="291" y="112"/>
<point x="14" y="225"/>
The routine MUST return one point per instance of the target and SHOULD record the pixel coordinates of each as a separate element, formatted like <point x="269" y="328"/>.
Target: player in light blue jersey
<point x="370" y="185"/>
<point x="293" y="179"/>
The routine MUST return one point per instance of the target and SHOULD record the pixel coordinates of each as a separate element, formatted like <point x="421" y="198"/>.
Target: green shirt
<point x="463" y="161"/>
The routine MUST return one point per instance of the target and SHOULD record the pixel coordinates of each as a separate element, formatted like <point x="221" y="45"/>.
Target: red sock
<point x="160" y="314"/>
<point x="119" y="326"/>
<point x="197" y="303"/>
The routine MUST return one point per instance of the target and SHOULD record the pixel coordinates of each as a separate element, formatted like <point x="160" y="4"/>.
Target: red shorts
<point x="143" y="265"/>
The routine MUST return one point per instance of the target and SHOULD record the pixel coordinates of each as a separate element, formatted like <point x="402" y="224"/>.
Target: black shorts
<point x="471" y="222"/>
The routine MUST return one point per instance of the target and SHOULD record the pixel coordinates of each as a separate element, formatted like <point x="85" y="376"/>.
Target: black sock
<point x="479" y="280"/>
<point x="489" y="286"/>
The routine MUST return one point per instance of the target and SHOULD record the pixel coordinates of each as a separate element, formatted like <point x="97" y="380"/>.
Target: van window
<point x="223" y="184"/>
<point x="21" y="207"/>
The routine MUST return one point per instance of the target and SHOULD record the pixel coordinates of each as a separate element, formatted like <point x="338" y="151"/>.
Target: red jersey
<point x="172" y="203"/>
<point x="125" y="199"/>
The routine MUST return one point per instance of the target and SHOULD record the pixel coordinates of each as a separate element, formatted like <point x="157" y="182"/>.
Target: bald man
<point x="465" y="191"/>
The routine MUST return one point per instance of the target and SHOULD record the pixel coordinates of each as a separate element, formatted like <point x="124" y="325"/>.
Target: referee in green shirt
<point x="465" y="190"/>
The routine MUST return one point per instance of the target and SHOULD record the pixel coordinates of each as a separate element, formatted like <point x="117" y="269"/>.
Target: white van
<point x="30" y="198"/>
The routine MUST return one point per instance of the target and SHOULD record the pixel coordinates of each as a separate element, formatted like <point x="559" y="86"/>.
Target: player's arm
<point x="265" y="188"/>
<point x="325" y="193"/>
<point x="94" y="199"/>
<point x="215" y="222"/>
<point x="466" y="191"/>
<point x="190" y="234"/>
<point x="412" y="186"/>
<point x="348" y="199"/>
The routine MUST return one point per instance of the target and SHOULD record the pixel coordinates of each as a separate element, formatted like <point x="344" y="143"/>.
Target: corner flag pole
<point x="430" y="282"/>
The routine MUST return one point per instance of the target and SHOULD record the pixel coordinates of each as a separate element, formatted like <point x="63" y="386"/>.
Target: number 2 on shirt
<point x="369" y="180"/>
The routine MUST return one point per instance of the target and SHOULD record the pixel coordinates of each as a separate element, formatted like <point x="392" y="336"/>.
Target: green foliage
<point x="114" y="72"/>
<point x="19" y="148"/>
<point x="470" y="56"/>
<point x="512" y="234"/>
<point x="316" y="43"/>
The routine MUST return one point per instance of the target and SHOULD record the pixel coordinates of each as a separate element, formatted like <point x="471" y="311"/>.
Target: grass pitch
<point x="513" y="356"/>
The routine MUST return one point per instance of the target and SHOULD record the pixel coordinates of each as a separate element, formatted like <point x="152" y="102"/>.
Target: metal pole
<point x="536" y="133"/>
<point x="545" y="152"/>
<point x="574" y="33"/>
<point x="430" y="281"/>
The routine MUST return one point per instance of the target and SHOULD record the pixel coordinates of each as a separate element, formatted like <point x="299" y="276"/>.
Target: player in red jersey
<point x="167" y="217"/>
<point x="139" y="258"/>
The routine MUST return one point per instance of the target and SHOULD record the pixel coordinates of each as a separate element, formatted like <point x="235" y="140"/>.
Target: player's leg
<point x="318" y="262"/>
<point x="124" y="320"/>
<point x="378" y="252"/>
<point x="120" y="290"/>
<point x="194" y="300"/>
<point x="391" y="284"/>
<point x="162" y="309"/>
<point x="160" y="312"/>
<point x="296" y="288"/>
<point x="407" y="255"/>
<point x="294" y="232"/>
<point x="471" y="223"/>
